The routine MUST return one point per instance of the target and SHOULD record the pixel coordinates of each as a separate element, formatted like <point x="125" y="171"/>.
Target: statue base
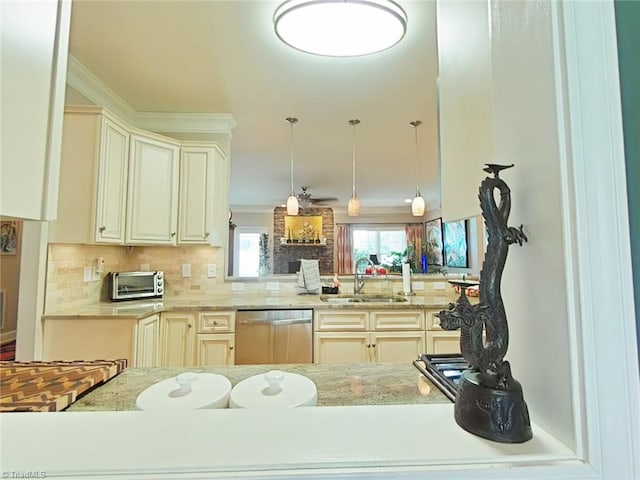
<point x="496" y="414"/>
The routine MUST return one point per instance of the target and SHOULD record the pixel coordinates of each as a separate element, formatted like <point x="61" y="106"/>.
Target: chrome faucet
<point x="358" y="279"/>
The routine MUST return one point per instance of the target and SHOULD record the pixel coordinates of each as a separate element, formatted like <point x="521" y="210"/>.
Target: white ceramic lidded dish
<point x="186" y="391"/>
<point x="274" y="389"/>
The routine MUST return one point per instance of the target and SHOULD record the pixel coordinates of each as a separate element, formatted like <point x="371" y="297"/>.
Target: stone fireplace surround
<point x="283" y="254"/>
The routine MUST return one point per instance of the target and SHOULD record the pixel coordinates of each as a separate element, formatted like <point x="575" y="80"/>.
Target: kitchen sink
<point x="364" y="298"/>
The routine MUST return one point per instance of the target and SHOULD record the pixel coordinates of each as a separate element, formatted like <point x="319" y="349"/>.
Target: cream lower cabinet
<point x="148" y="342"/>
<point x="215" y="343"/>
<point x="177" y="339"/>
<point x="363" y="336"/>
<point x="439" y="340"/>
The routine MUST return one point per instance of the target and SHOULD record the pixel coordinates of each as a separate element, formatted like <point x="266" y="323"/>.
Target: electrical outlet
<point x="95" y="274"/>
<point x="272" y="286"/>
<point x="417" y="286"/>
<point x="186" y="270"/>
<point x="86" y="274"/>
<point x="237" y="287"/>
<point x="211" y="270"/>
<point x="439" y="285"/>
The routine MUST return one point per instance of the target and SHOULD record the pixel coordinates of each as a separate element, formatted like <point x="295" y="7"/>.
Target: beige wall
<point x="9" y="282"/>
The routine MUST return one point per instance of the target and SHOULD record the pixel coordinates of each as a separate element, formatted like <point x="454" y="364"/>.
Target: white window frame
<point x="236" y="242"/>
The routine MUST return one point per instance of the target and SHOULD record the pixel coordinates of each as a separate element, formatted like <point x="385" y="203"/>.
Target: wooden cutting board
<point x="51" y="386"/>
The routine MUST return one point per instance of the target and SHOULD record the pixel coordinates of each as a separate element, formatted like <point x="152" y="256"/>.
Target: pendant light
<point x="340" y="28"/>
<point x="292" y="201"/>
<point x="418" y="204"/>
<point x="353" y="208"/>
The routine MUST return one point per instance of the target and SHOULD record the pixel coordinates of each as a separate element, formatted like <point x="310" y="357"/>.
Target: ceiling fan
<point x="306" y="200"/>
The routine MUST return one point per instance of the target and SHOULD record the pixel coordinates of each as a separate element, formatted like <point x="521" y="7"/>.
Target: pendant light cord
<point x="353" y="123"/>
<point x="291" y="121"/>
<point x="415" y="124"/>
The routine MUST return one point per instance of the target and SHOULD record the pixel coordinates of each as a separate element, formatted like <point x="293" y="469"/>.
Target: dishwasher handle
<point x="265" y="321"/>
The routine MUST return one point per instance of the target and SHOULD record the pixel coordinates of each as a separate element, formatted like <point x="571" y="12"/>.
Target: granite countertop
<point x="143" y="308"/>
<point x="342" y="384"/>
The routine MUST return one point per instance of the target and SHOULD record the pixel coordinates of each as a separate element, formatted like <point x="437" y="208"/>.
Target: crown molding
<point x="89" y="85"/>
<point x="221" y="123"/>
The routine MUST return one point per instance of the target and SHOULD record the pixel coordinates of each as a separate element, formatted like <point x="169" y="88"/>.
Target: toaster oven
<point x="135" y="285"/>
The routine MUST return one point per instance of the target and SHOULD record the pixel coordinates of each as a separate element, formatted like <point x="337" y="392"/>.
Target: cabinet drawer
<point x="330" y="320"/>
<point x="209" y="322"/>
<point x="397" y="320"/>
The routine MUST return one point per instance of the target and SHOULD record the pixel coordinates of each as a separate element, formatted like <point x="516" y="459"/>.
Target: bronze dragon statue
<point x="489" y="402"/>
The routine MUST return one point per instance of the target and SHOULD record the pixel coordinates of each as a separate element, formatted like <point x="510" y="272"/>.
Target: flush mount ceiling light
<point x="340" y="28"/>
<point x="292" y="201"/>
<point x="353" y="208"/>
<point x="417" y="205"/>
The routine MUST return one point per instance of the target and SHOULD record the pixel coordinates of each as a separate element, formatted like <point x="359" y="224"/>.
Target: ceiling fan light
<point x="353" y="207"/>
<point x="292" y="205"/>
<point x="340" y="28"/>
<point x="418" y="206"/>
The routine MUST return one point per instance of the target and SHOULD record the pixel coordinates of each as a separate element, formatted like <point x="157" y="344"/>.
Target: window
<point x="380" y="240"/>
<point x="247" y="254"/>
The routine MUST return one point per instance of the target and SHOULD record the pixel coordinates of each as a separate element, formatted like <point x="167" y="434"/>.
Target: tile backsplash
<point x="66" y="262"/>
<point x="66" y="288"/>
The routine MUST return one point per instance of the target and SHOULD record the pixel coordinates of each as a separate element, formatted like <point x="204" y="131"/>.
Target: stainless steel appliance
<point x="273" y="336"/>
<point x="135" y="285"/>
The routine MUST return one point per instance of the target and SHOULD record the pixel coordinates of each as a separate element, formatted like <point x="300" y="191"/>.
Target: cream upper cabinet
<point x="200" y="167"/>
<point x="93" y="178"/>
<point x="111" y="199"/>
<point x="148" y="342"/>
<point x="152" y="206"/>
<point x="122" y="185"/>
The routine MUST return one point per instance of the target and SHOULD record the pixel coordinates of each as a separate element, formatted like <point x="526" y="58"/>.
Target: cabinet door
<point x="215" y="349"/>
<point x="153" y="191"/>
<point x="177" y="339"/>
<point x="342" y="347"/>
<point x="148" y="342"/>
<point x="443" y="342"/>
<point x="111" y="197"/>
<point x="397" y="347"/>
<point x="195" y="210"/>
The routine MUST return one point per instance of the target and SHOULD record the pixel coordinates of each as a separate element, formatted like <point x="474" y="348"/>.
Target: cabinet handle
<point x="373" y="345"/>
<point x="189" y="325"/>
<point x="206" y="235"/>
<point x="102" y="229"/>
<point x="173" y="234"/>
<point x="368" y="345"/>
<point x="215" y="322"/>
<point x="231" y="347"/>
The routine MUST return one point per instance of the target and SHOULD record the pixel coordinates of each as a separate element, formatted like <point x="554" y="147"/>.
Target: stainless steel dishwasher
<point x="274" y="336"/>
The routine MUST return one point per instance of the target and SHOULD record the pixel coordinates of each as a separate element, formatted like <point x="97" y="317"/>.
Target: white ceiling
<point x="223" y="57"/>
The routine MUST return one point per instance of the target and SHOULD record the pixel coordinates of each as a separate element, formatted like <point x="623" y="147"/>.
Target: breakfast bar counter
<point x="337" y="385"/>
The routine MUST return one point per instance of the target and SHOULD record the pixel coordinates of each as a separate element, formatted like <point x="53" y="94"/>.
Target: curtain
<point x="414" y="237"/>
<point x="344" y="252"/>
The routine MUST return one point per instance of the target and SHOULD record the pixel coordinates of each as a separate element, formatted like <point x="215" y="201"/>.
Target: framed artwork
<point x="434" y="244"/>
<point x="455" y="244"/>
<point x="9" y="232"/>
